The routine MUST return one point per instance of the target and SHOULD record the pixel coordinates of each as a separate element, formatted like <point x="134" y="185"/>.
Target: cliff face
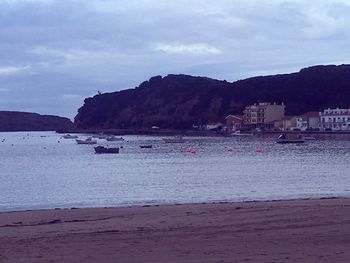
<point x="178" y="101"/>
<point x="24" y="121"/>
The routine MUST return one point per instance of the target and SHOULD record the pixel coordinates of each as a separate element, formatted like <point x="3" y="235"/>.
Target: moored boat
<point x="309" y="138"/>
<point x="89" y="140"/>
<point x="69" y="136"/>
<point x="175" y="139"/>
<point x="100" y="136"/>
<point x="146" y="146"/>
<point x="239" y="133"/>
<point x="282" y="139"/>
<point x="114" y="139"/>
<point x="102" y="149"/>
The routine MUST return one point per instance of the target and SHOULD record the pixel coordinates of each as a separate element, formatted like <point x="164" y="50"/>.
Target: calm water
<point x="38" y="172"/>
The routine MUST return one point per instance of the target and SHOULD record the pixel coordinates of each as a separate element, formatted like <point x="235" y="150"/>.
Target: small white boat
<point x="114" y="139"/>
<point x="239" y="133"/>
<point x="100" y="136"/>
<point x="175" y="139"/>
<point x="69" y="136"/>
<point x="89" y="140"/>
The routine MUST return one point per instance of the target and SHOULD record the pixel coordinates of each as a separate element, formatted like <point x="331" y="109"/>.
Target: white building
<point x="233" y="123"/>
<point x="309" y="120"/>
<point x="335" y="119"/>
<point x="288" y="123"/>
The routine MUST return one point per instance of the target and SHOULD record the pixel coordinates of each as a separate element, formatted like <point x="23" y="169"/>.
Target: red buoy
<point x="230" y="149"/>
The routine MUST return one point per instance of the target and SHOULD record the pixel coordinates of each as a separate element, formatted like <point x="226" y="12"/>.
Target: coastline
<point x="302" y="230"/>
<point x="188" y="132"/>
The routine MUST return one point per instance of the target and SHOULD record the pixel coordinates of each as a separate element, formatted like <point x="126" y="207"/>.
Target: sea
<point x="40" y="170"/>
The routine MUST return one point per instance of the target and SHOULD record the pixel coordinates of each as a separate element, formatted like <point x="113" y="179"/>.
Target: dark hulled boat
<point x="102" y="149"/>
<point x="282" y="139"/>
<point x="146" y="146"/>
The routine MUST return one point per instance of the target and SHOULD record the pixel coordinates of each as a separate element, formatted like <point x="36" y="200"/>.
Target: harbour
<point x="42" y="170"/>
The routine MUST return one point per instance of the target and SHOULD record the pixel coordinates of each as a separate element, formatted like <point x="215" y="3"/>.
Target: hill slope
<point x="178" y="101"/>
<point x="25" y="121"/>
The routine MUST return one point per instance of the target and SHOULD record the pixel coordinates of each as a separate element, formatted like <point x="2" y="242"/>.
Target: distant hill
<point x="25" y="121"/>
<point x="178" y="101"/>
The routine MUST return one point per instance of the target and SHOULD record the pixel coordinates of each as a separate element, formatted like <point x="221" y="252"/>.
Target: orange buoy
<point x="188" y="150"/>
<point x="258" y="150"/>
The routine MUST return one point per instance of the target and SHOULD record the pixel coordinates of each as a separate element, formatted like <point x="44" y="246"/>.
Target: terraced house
<point x="335" y="119"/>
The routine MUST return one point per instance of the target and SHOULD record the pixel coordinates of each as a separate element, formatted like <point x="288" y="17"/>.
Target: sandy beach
<point x="275" y="231"/>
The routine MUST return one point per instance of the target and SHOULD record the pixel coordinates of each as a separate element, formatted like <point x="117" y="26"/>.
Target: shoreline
<point x="190" y="133"/>
<point x="298" y="230"/>
<point x="157" y="204"/>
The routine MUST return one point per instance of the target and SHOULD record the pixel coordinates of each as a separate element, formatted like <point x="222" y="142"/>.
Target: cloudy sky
<point x="55" y="53"/>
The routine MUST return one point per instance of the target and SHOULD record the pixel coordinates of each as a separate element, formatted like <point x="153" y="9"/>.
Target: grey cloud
<point x="52" y="49"/>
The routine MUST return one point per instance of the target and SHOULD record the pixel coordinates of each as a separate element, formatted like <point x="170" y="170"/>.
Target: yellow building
<point x="263" y="114"/>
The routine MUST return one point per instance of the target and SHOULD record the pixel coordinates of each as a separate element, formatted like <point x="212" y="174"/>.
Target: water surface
<point x="42" y="170"/>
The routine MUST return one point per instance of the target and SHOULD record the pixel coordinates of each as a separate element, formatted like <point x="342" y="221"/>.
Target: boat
<point x="100" y="136"/>
<point x="175" y="139"/>
<point x="114" y="139"/>
<point x="146" y="146"/>
<point x="89" y="140"/>
<point x="309" y="138"/>
<point x="69" y="136"/>
<point x="282" y="139"/>
<point x="239" y="133"/>
<point x="102" y="149"/>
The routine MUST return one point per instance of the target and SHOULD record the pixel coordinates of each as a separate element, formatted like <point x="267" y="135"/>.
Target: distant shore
<point x="166" y="132"/>
<point x="273" y="231"/>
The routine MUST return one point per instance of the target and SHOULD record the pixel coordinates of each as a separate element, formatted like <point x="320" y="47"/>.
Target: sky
<point x="56" y="53"/>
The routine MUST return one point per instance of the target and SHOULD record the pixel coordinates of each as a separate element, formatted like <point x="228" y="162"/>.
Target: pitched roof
<point x="240" y="117"/>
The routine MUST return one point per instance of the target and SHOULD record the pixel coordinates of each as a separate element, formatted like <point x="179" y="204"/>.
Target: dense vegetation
<point x="179" y="101"/>
<point x="24" y="121"/>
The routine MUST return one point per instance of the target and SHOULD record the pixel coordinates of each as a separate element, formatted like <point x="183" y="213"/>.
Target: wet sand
<point x="278" y="231"/>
